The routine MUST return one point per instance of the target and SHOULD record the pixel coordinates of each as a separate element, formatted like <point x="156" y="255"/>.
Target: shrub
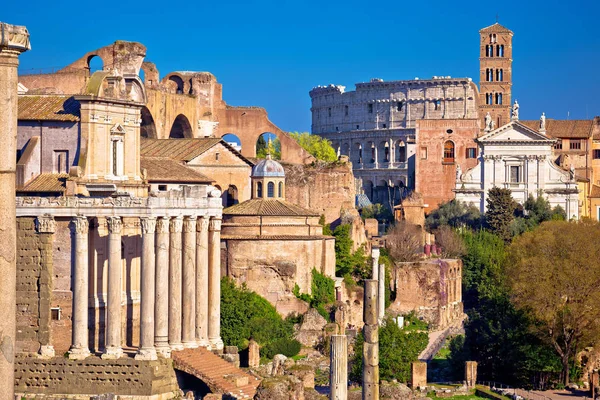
<point x="287" y="347"/>
<point x="245" y="314"/>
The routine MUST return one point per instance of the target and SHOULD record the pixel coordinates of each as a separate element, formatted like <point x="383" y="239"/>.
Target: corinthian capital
<point x="115" y="225"/>
<point x="148" y="224"/>
<point x="14" y="38"/>
<point x="189" y="224"/>
<point x="176" y="224"/>
<point x="45" y="224"/>
<point x="162" y="225"/>
<point x="215" y="224"/>
<point x="80" y="225"/>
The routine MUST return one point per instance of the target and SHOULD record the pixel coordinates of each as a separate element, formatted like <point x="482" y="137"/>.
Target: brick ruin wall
<point x="92" y="376"/>
<point x="325" y="189"/>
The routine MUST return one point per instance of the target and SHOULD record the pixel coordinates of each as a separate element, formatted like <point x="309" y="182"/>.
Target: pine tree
<point x="500" y="212"/>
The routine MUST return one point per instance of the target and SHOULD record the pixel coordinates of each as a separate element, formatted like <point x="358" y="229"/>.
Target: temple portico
<point x="179" y="274"/>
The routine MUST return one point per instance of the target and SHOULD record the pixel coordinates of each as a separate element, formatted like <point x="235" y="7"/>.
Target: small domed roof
<point x="268" y="167"/>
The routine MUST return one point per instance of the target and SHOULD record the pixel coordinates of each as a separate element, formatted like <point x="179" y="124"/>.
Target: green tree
<point x="500" y="212"/>
<point x="318" y="147"/>
<point x="554" y="274"/>
<point x="377" y="211"/>
<point x="456" y="214"/>
<point x="272" y="147"/>
<point x="397" y="350"/>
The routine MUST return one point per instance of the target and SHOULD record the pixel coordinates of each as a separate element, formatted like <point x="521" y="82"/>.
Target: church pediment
<point x="514" y="132"/>
<point x="118" y="129"/>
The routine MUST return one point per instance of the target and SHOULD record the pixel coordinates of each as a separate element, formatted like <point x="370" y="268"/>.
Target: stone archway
<point x="147" y="127"/>
<point x="181" y="128"/>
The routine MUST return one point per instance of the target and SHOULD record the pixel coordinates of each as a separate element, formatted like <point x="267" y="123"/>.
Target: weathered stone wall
<point x="431" y="288"/>
<point x="93" y="376"/>
<point x="271" y="267"/>
<point x="326" y="189"/>
<point x="29" y="269"/>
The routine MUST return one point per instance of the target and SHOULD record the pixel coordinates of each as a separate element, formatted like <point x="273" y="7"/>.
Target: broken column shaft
<point x="338" y="369"/>
<point x="370" y="387"/>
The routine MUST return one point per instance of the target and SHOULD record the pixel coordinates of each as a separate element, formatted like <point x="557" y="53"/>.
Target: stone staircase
<point x="219" y="375"/>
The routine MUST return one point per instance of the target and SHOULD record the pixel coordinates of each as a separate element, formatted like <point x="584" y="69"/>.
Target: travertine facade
<point x="375" y="126"/>
<point x="518" y="158"/>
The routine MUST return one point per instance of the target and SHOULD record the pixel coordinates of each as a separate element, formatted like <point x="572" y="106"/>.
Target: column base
<point x="148" y="354"/>
<point x="112" y="353"/>
<point x="163" y="351"/>
<point x="176" y="346"/>
<point x="190" y="345"/>
<point x="79" y="353"/>
<point x="204" y="343"/>
<point x="47" y="351"/>
<point x="216" y="344"/>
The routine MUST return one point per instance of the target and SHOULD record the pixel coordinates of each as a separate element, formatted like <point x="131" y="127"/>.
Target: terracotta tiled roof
<point x="48" y="108"/>
<point x="54" y="183"/>
<point x="182" y="149"/>
<point x="561" y="128"/>
<point x="268" y="207"/>
<point x="595" y="192"/>
<point x="495" y="28"/>
<point x="164" y="169"/>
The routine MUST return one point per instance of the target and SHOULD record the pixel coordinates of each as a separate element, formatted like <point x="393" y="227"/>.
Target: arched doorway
<point x="147" y="127"/>
<point x="178" y="83"/>
<point x="268" y="143"/>
<point x="181" y="128"/>
<point x="233" y="140"/>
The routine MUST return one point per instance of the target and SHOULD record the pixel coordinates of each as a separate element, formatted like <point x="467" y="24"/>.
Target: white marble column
<point x="147" y="350"/>
<point x="80" y="331"/>
<point x="161" y="304"/>
<point x="189" y="283"/>
<point x="338" y="370"/>
<point x="375" y="262"/>
<point x="381" y="294"/>
<point x="214" y="283"/>
<point x="202" y="282"/>
<point x="175" y="283"/>
<point x="113" y="348"/>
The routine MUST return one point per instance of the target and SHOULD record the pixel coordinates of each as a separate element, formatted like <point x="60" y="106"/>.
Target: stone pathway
<point x="437" y="338"/>
<point x="219" y="375"/>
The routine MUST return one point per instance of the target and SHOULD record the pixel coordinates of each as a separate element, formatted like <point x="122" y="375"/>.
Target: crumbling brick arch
<point x="177" y="83"/>
<point x="150" y="74"/>
<point x="91" y="63"/>
<point x="181" y="128"/>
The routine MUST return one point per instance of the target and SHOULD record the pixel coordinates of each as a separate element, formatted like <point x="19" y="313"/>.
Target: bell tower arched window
<point x="280" y="189"/>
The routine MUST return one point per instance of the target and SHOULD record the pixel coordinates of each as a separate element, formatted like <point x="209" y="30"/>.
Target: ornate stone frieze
<point x="45" y="224"/>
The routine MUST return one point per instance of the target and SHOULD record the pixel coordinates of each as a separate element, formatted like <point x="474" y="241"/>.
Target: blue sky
<point x="271" y="53"/>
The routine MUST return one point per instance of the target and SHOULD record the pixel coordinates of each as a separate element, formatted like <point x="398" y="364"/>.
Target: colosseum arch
<point x="94" y="63"/>
<point x="181" y="128"/>
<point x="147" y="127"/>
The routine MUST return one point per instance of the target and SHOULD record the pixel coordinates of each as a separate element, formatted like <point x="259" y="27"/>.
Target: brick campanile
<point x="495" y="74"/>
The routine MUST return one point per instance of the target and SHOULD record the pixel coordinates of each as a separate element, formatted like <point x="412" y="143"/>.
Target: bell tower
<point x="495" y="74"/>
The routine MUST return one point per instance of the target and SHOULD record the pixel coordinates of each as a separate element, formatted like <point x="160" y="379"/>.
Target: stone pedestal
<point x="161" y="304"/>
<point x="80" y="333"/>
<point x="115" y="287"/>
<point x="471" y="373"/>
<point x="202" y="282"/>
<point x="214" y="284"/>
<point x="253" y="354"/>
<point x="13" y="41"/>
<point x="338" y="370"/>
<point x="147" y="350"/>
<point x="175" y="284"/>
<point x="370" y="388"/>
<point x="189" y="283"/>
<point x="418" y="376"/>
